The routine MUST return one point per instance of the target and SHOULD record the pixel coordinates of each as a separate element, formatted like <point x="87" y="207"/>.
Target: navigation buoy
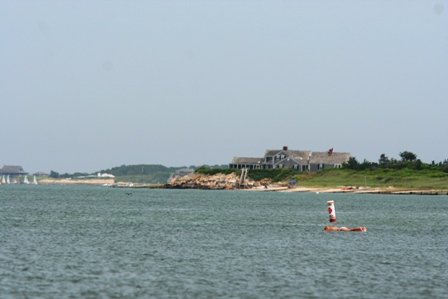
<point x="331" y="210"/>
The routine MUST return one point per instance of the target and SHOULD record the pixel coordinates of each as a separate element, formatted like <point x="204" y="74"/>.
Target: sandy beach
<point x="344" y="189"/>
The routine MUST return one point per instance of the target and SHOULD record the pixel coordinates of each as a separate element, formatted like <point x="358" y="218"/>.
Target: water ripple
<point x="84" y="242"/>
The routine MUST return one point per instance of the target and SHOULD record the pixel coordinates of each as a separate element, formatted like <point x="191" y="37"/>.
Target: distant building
<point x="12" y="170"/>
<point x="105" y="175"/>
<point x="299" y="160"/>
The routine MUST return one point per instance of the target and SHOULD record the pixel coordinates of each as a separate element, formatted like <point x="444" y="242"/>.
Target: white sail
<point x="3" y="180"/>
<point x="7" y="180"/>
<point x="34" y="180"/>
<point x="25" y="180"/>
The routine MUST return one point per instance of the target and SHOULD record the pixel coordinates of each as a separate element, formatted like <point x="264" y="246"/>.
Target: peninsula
<point x="328" y="182"/>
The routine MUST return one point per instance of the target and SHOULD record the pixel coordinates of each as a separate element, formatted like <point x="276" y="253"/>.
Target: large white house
<point x="285" y="158"/>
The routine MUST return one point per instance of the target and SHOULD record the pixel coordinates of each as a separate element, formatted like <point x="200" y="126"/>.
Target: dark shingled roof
<point x="325" y="158"/>
<point x="246" y="160"/>
<point x="12" y="170"/>
<point x="302" y="154"/>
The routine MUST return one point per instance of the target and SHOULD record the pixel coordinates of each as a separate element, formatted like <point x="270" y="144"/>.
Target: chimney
<point x="285" y="147"/>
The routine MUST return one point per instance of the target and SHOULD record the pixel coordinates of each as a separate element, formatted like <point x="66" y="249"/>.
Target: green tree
<point x="352" y="163"/>
<point x="384" y="160"/>
<point x="418" y="164"/>
<point x="444" y="166"/>
<point x="408" y="156"/>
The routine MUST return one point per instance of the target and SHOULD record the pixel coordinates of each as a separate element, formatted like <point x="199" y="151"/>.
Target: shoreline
<point x="350" y="190"/>
<point x="317" y="190"/>
<point x="233" y="182"/>
<point x="251" y="188"/>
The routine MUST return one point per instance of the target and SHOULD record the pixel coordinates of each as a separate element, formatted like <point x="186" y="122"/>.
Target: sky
<point x="90" y="85"/>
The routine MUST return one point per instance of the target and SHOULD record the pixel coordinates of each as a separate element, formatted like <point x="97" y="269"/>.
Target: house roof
<point x="300" y="155"/>
<point x="292" y="161"/>
<point x="270" y="153"/>
<point x="12" y="170"/>
<point x="246" y="160"/>
<point x="325" y="158"/>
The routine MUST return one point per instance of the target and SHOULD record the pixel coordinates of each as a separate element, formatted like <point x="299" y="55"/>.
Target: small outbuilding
<point x="12" y="170"/>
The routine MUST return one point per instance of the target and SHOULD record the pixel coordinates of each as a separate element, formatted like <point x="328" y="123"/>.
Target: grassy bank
<point x="403" y="178"/>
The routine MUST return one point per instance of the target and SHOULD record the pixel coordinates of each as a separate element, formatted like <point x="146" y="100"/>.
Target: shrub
<point x="275" y="175"/>
<point x="212" y="171"/>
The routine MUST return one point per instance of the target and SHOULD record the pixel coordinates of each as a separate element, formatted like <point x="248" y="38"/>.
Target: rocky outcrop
<point x="213" y="182"/>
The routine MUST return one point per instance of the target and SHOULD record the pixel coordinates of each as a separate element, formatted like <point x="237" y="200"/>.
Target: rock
<point x="201" y="181"/>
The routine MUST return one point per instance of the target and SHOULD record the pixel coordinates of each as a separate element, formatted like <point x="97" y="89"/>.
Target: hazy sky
<point x="88" y="85"/>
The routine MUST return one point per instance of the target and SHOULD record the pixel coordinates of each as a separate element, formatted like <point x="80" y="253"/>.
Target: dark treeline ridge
<point x="139" y="173"/>
<point x="123" y="170"/>
<point x="139" y="169"/>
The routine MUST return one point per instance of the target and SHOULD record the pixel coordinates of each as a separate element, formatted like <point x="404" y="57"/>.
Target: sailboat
<point x="3" y="180"/>
<point x="25" y="180"/>
<point x="7" y="180"/>
<point x="34" y="180"/>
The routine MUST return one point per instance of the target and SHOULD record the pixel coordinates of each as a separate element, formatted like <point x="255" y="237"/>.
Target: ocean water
<point x="98" y="242"/>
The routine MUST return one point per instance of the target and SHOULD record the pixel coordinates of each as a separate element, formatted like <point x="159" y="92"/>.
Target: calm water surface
<point x="94" y="242"/>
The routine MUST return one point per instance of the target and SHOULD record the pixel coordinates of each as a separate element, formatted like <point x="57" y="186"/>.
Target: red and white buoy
<point x="331" y="210"/>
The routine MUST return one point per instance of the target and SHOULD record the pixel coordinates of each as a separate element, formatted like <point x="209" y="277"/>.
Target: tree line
<point x="123" y="170"/>
<point x="408" y="160"/>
